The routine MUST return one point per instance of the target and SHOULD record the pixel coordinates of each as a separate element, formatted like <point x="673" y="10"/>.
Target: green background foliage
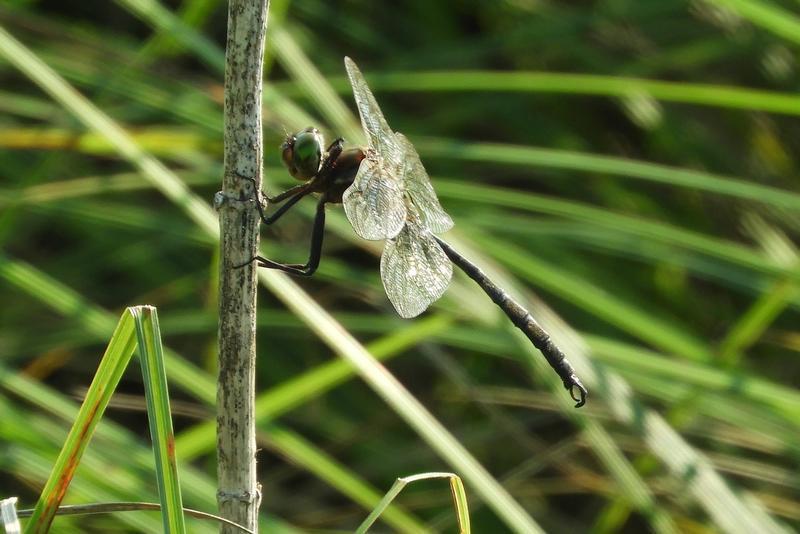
<point x="631" y="162"/>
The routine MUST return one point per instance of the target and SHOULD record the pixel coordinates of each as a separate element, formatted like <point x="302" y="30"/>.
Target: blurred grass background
<point x="631" y="162"/>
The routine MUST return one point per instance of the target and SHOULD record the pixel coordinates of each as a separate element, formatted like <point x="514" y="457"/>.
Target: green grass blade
<point x="25" y="106"/>
<point x="319" y="463"/>
<point x="456" y="488"/>
<point x="203" y="438"/>
<point x="708" y="488"/>
<point x="581" y="161"/>
<point x="316" y="382"/>
<point x="313" y="383"/>
<point x="770" y="17"/>
<point x="632" y="225"/>
<point x="402" y="402"/>
<point x="28" y="63"/>
<point x="113" y="364"/>
<point x="314" y="84"/>
<point x="752" y="324"/>
<point x="772" y="301"/>
<point x="461" y="504"/>
<point x="94" y="485"/>
<point x="603" y="305"/>
<point x="158" y="16"/>
<point x="625" y="356"/>
<point x="97" y="321"/>
<point x="578" y="84"/>
<point x="35" y="465"/>
<point x="151" y="356"/>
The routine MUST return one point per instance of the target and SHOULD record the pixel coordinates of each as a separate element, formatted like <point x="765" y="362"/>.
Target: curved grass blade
<point x="456" y="488"/>
<point x="326" y="468"/>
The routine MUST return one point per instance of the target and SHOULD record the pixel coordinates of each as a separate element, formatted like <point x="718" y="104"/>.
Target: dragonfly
<point x="387" y="195"/>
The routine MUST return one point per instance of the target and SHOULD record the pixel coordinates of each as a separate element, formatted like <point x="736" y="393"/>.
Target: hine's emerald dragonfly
<point x="387" y="195"/>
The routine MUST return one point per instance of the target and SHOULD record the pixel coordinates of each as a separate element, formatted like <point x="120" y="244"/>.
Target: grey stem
<point x="236" y="443"/>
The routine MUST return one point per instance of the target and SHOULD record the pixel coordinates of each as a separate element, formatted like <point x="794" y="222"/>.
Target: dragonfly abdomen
<point x="522" y="319"/>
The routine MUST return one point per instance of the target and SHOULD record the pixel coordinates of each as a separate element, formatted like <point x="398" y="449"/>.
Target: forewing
<point x="379" y="135"/>
<point x="418" y="185"/>
<point x="374" y="202"/>
<point x="414" y="269"/>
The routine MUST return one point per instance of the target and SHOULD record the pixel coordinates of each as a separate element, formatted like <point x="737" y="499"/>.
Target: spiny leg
<point x="304" y="190"/>
<point x="280" y="197"/>
<point x="314" y="256"/>
<point x="294" y="194"/>
<point x="333" y="152"/>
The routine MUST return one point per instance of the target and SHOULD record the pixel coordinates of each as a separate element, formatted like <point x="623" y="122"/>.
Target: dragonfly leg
<point x="294" y="194"/>
<point x="280" y="197"/>
<point x="283" y="209"/>
<point x="334" y="151"/>
<point x="336" y="147"/>
<point x="291" y="192"/>
<point x="315" y="254"/>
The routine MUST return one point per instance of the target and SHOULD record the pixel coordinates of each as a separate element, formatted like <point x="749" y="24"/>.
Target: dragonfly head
<point x="302" y="153"/>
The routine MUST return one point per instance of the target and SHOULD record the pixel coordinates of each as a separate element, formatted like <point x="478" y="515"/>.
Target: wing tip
<point x="408" y="314"/>
<point x="350" y="65"/>
<point x="446" y="226"/>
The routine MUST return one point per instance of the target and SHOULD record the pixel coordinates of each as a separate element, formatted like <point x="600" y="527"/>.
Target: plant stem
<point x="239" y="492"/>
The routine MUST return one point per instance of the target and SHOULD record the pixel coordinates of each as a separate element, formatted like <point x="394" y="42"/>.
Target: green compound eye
<point x="302" y="153"/>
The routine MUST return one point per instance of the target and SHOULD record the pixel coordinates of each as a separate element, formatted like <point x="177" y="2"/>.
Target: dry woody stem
<point x="239" y="491"/>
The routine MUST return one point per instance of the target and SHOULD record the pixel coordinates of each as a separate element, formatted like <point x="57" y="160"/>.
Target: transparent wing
<point x="418" y="186"/>
<point x="374" y="202"/>
<point x="379" y="135"/>
<point x="414" y="269"/>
